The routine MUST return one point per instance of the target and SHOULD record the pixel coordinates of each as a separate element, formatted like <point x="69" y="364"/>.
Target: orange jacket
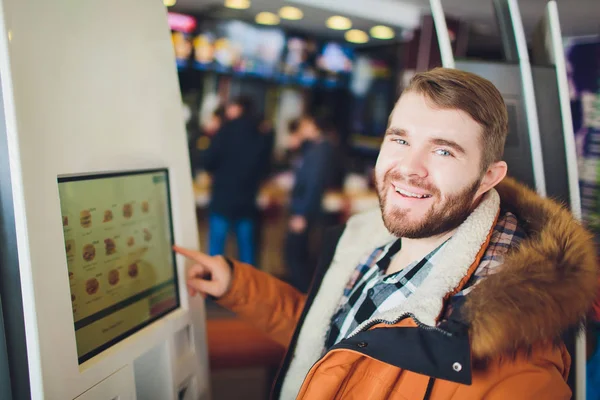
<point x="503" y="343"/>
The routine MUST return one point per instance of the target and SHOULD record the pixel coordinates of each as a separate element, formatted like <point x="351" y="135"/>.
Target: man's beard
<point x="439" y="219"/>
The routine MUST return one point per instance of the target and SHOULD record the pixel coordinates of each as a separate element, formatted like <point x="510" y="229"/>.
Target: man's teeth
<point x="410" y="194"/>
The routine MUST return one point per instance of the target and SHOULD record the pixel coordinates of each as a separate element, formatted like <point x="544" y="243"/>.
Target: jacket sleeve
<point x="266" y="302"/>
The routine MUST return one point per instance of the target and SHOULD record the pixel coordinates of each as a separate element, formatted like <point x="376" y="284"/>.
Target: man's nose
<point x="413" y="164"/>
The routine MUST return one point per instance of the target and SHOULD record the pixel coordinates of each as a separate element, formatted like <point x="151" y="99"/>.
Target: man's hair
<point x="293" y="125"/>
<point x="219" y="112"/>
<point x="454" y="89"/>
<point x="322" y="122"/>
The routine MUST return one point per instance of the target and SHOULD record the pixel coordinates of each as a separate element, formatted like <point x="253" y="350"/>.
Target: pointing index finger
<point x="192" y="254"/>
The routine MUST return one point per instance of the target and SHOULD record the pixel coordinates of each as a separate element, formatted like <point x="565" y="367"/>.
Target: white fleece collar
<point x="365" y="232"/>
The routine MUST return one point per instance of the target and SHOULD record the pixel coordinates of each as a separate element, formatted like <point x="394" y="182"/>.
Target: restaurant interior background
<point x="348" y="63"/>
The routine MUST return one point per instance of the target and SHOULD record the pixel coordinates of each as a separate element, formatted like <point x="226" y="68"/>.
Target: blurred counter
<point x="275" y="193"/>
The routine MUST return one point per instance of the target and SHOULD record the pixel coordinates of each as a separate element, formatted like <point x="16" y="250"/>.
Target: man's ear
<point x="493" y="176"/>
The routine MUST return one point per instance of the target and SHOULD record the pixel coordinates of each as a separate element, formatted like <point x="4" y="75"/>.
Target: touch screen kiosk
<point x="94" y="189"/>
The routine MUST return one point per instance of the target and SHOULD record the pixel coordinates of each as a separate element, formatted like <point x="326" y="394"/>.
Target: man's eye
<point x="443" y="152"/>
<point x="399" y="141"/>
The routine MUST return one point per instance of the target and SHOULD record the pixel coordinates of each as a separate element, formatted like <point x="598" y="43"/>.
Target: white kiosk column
<point x="528" y="90"/>
<point x="441" y="29"/>
<point x="528" y="94"/>
<point x="554" y="55"/>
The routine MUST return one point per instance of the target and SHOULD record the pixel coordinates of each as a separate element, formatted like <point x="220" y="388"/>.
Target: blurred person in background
<point x="267" y="137"/>
<point x="236" y="160"/>
<point x="214" y="123"/>
<point x="294" y="141"/>
<point x="311" y="177"/>
<point x="201" y="139"/>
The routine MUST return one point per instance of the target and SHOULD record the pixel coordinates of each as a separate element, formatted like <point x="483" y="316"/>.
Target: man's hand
<point x="208" y="275"/>
<point x="297" y="224"/>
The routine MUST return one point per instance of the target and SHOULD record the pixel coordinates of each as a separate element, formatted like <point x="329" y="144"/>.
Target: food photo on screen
<point x="108" y="216"/>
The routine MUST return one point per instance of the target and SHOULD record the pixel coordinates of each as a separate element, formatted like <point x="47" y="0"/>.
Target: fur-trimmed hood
<point x="543" y="289"/>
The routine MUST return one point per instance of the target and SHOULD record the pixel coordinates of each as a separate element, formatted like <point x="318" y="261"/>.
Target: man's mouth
<point x="407" y="193"/>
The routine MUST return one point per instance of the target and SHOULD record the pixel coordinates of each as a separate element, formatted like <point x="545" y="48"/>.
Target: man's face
<point x="429" y="168"/>
<point x="307" y="129"/>
<point x="233" y="111"/>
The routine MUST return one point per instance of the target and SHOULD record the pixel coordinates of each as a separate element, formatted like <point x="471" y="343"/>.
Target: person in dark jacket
<point x="236" y="160"/>
<point x="311" y="179"/>
<point x="201" y="138"/>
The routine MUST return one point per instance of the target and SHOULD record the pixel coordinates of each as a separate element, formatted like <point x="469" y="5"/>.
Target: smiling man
<point x="461" y="286"/>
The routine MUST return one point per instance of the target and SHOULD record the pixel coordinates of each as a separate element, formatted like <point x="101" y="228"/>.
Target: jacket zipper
<point x="398" y="319"/>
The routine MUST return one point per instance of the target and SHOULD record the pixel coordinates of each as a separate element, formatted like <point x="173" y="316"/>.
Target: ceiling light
<point x="266" y="18"/>
<point x="237" y="4"/>
<point x="339" y="23"/>
<point x="291" y="13"/>
<point x="382" y="32"/>
<point x="356" y="36"/>
<point x="169" y="3"/>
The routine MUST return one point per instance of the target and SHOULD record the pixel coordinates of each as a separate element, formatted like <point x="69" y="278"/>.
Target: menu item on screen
<point x="70" y="248"/>
<point x="108" y="216"/>
<point x="122" y="273"/>
<point x="85" y="217"/>
<point x="113" y="277"/>
<point x="133" y="270"/>
<point x="127" y="211"/>
<point x="89" y="252"/>
<point x="91" y="286"/>
<point x="109" y="246"/>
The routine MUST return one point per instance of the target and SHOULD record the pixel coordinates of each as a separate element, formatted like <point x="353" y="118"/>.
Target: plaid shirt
<point x="369" y="291"/>
<point x="507" y="235"/>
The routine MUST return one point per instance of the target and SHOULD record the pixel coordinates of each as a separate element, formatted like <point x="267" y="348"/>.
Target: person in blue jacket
<point x="237" y="159"/>
<point x="311" y="179"/>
